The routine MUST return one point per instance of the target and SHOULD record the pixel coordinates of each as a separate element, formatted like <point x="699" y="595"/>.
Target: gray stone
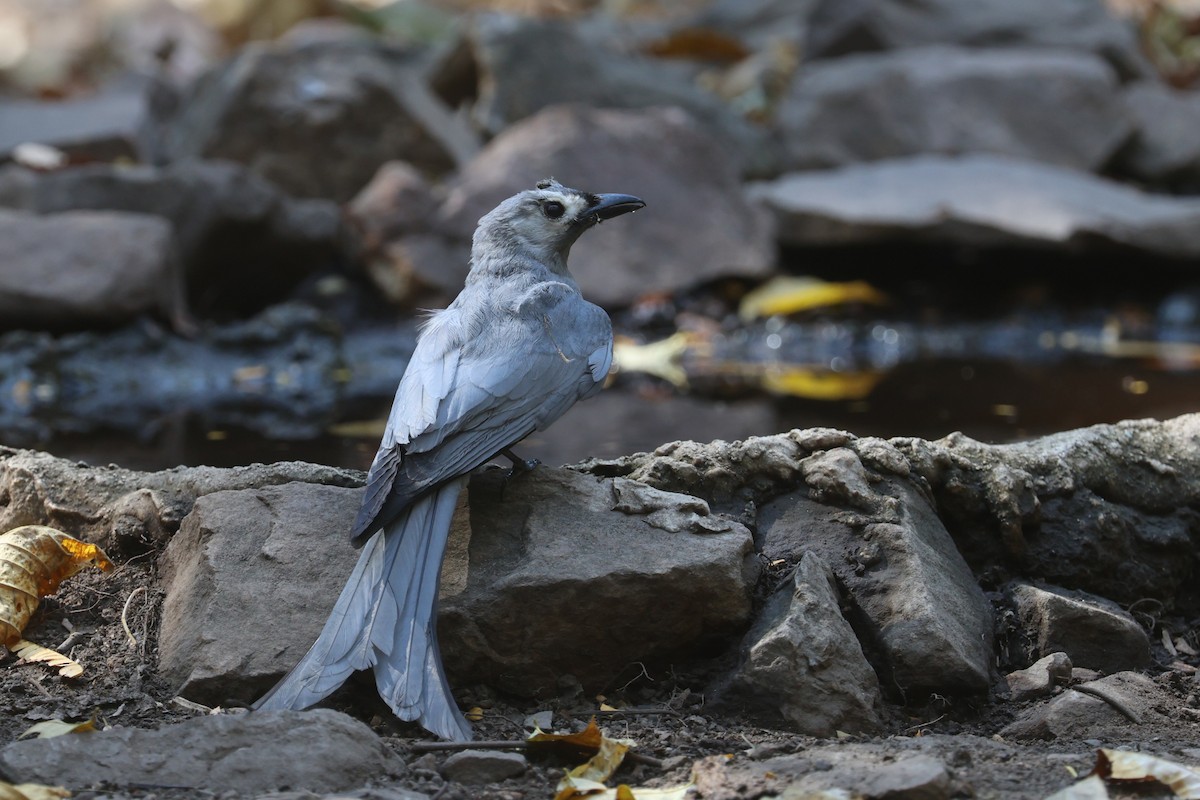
<point x="1104" y="509"/>
<point x="844" y="26"/>
<point x="1164" y="150"/>
<point x="102" y="126"/>
<point x="121" y="508"/>
<point x="249" y="580"/>
<point x="1107" y="509"/>
<point x="555" y="578"/>
<point x="1074" y="714"/>
<point x="977" y="201"/>
<point x="242" y="242"/>
<point x="926" y="625"/>
<point x="845" y="770"/>
<point x="86" y="267"/>
<point x="1095" y="633"/>
<point x="321" y="750"/>
<point x="483" y="766"/>
<point x="697" y="226"/>
<point x="1058" y="108"/>
<point x="1039" y="679"/>
<point x="525" y="64"/>
<point x="317" y="118"/>
<point x="802" y="665"/>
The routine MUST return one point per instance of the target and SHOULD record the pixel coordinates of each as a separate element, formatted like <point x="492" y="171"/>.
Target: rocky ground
<point x="877" y="618"/>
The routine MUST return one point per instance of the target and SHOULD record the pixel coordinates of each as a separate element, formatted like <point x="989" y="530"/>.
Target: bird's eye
<point x="553" y="209"/>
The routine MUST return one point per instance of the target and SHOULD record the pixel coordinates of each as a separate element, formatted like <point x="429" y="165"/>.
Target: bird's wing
<point x="465" y="397"/>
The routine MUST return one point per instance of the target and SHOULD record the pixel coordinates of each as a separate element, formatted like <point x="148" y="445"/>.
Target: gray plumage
<point x="515" y="350"/>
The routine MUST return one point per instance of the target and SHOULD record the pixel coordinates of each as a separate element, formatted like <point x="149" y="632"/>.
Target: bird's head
<point x="546" y="220"/>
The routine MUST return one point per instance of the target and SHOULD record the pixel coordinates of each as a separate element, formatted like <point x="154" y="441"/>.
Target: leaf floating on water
<point x="35" y="653"/>
<point x="31" y="791"/>
<point x="57" y="727"/>
<point x="1121" y="765"/>
<point x="34" y="560"/>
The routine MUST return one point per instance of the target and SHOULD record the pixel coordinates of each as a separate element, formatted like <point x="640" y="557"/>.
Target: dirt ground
<point x="120" y="686"/>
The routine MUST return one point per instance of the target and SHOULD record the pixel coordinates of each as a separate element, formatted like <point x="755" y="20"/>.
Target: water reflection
<point x="292" y="385"/>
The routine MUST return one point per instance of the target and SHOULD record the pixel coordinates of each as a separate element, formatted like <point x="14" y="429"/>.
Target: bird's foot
<point x="519" y="464"/>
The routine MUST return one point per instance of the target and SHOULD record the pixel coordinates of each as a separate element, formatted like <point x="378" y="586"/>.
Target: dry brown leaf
<point x="34" y="560"/>
<point x="35" y="653"/>
<point x="31" y="791"/>
<point x="589" y="738"/>
<point x="1121" y="765"/>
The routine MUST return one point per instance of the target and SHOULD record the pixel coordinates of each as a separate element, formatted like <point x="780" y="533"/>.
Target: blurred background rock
<point x="220" y="218"/>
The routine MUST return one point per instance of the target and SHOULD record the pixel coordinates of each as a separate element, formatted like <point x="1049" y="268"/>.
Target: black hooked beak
<point x="614" y="205"/>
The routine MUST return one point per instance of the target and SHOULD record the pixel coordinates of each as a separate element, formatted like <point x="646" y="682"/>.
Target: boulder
<point x="919" y="613"/>
<point x="532" y="582"/>
<point x="86" y="267"/>
<point x="228" y="618"/>
<point x="802" y="665"/>
<point x="99" y="127"/>
<point x="1061" y="108"/>
<point x="1164" y="150"/>
<point x="521" y="64"/>
<point x="316" y="117"/>
<point x="242" y="242"/>
<point x="696" y="225"/>
<point x="837" y="27"/>
<point x="321" y="750"/>
<point x="1093" y="632"/>
<point x="565" y="573"/>
<point x="978" y="201"/>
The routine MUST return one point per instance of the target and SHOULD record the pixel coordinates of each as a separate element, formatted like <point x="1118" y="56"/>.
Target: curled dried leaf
<point x="31" y="791"/>
<point x="34" y="560"/>
<point x="1122" y="765"/>
<point x="28" y="651"/>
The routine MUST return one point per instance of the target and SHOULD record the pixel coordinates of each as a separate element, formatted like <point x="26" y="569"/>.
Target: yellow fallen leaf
<point x="819" y="384"/>
<point x="1121" y="765"/>
<point x="57" y="727"/>
<point x="790" y="295"/>
<point x="31" y="791"/>
<point x="34" y="560"/>
<point x="589" y="738"/>
<point x="35" y="653"/>
<point x="475" y="714"/>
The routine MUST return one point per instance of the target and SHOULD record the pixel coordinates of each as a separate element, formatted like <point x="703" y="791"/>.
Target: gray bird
<point x="515" y="350"/>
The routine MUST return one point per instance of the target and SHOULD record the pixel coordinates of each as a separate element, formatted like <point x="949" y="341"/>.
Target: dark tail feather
<point x="386" y="617"/>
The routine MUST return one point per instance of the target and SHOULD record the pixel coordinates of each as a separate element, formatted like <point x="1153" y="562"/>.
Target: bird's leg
<point x="519" y="464"/>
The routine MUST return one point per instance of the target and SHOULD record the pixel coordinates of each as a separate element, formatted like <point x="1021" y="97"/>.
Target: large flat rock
<point x="978" y="200"/>
<point x="322" y="751"/>
<point x="1056" y="107"/>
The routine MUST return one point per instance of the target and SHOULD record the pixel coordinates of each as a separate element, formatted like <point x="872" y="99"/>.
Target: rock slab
<point x="1093" y="632"/>
<point x="70" y="269"/>
<point x="803" y="666"/>
<point x="229" y="620"/>
<point x="978" y="201"/>
<point x="564" y="573"/>
<point x="321" y="750"/>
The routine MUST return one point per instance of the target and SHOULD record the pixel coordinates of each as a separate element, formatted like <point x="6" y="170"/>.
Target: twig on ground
<point x="430" y="747"/>
<point x="925" y="724"/>
<point x="133" y="642"/>
<point x="1100" y="694"/>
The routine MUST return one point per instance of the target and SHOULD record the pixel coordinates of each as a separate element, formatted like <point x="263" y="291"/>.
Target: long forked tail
<point x="386" y="618"/>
